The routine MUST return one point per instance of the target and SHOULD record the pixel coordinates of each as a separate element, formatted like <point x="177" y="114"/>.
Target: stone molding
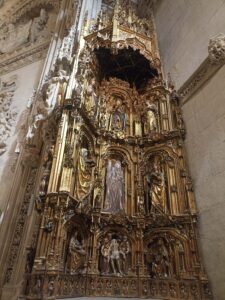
<point x="23" y="56"/>
<point x="214" y="61"/>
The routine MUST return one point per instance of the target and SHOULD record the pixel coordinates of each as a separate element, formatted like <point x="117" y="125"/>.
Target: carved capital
<point x="217" y="49"/>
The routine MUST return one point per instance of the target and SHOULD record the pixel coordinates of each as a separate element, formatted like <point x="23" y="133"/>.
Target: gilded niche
<point x="114" y="187"/>
<point x="114" y="255"/>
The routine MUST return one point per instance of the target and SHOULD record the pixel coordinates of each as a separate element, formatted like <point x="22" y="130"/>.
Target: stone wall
<point x="204" y="116"/>
<point x="184" y="29"/>
<point x="15" y="102"/>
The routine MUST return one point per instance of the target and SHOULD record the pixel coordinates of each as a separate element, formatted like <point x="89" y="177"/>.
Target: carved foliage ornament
<point x="7" y="113"/>
<point x="217" y="49"/>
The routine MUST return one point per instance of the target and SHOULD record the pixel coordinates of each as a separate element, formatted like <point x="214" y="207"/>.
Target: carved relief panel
<point x="7" y="112"/>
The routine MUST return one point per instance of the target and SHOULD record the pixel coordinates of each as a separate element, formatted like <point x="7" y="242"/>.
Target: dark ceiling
<point x="128" y="65"/>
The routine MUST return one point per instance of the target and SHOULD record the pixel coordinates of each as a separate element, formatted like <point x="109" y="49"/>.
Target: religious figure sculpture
<point x="156" y="190"/>
<point x="125" y="253"/>
<point x="158" y="260"/>
<point x="151" y="123"/>
<point x="118" y="121"/>
<point x="53" y="90"/>
<point x="84" y="173"/>
<point x="38" y="25"/>
<point x="114" y="199"/>
<point x="104" y="259"/>
<point x="114" y="254"/>
<point x="181" y="254"/>
<point x="91" y="102"/>
<point x="77" y="254"/>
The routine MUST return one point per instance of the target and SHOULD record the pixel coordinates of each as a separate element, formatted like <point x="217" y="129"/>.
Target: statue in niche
<point x="181" y="254"/>
<point x="114" y="255"/>
<point x="98" y="200"/>
<point x="119" y="115"/>
<point x="114" y="197"/>
<point x="125" y="253"/>
<point x="116" y="121"/>
<point x="91" y="103"/>
<point x="156" y="189"/>
<point x="158" y="259"/>
<point x="38" y="25"/>
<point x="84" y="173"/>
<point x="104" y="258"/>
<point x="76" y="255"/>
<point x="151" y="122"/>
<point x="53" y="88"/>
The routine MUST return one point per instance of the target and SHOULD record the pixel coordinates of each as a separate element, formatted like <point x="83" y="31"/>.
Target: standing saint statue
<point x="125" y="253"/>
<point x="77" y="255"/>
<point x="114" y="198"/>
<point x="114" y="253"/>
<point x="156" y="190"/>
<point x="150" y="123"/>
<point x="84" y="173"/>
<point x="104" y="251"/>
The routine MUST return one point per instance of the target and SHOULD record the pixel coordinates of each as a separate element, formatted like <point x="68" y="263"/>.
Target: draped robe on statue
<point x="114" y="199"/>
<point x="84" y="172"/>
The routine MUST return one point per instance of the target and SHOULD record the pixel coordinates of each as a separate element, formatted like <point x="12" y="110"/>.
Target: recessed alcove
<point x="127" y="64"/>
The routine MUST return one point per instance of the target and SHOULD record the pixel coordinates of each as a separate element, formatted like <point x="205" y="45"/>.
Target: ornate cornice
<point x="23" y="57"/>
<point x="214" y="61"/>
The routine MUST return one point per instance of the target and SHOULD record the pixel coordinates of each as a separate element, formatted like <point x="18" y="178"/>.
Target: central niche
<point x="127" y="64"/>
<point x="114" y="187"/>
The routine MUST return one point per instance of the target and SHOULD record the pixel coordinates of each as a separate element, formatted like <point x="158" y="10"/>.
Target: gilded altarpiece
<point x="118" y="211"/>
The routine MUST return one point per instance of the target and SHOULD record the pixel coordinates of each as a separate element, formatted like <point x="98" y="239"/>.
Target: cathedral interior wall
<point x="204" y="116"/>
<point x="26" y="80"/>
<point x="184" y="29"/>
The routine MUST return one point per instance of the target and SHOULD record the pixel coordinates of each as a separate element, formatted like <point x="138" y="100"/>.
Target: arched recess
<point x="118" y="192"/>
<point x="75" y="245"/>
<point x="158" y="97"/>
<point x="125" y="241"/>
<point x="167" y="254"/>
<point x="162" y="164"/>
<point x="117" y="106"/>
